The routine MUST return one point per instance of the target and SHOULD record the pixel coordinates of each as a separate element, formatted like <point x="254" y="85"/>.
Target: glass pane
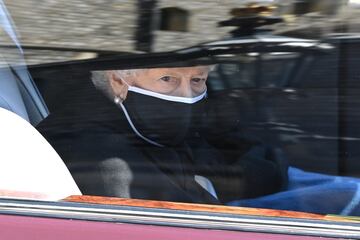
<point x="236" y="104"/>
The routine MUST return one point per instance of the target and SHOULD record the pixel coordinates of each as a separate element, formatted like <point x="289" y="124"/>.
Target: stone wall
<point x="111" y="24"/>
<point x="204" y="16"/>
<point x="106" y="24"/>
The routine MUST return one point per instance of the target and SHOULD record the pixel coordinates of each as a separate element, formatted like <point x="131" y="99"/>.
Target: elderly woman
<point x="144" y="135"/>
<point x="159" y="101"/>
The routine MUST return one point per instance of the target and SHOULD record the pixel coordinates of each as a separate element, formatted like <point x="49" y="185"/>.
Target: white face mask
<point x="167" y="97"/>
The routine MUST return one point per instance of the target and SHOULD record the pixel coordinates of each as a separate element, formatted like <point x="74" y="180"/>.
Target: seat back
<point x="30" y="167"/>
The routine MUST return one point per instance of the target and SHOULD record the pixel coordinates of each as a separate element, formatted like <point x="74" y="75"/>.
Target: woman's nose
<point x="185" y="90"/>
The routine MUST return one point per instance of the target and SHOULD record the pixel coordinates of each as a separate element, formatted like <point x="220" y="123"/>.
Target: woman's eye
<point x="165" y="78"/>
<point x="197" y="80"/>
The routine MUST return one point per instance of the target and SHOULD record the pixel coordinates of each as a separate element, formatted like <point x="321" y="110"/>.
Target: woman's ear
<point x="118" y="85"/>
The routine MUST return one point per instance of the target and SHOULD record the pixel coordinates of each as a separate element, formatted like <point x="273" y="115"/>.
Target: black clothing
<point x="107" y="158"/>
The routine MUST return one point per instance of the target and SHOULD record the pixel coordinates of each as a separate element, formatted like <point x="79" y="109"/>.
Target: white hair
<point x="101" y="79"/>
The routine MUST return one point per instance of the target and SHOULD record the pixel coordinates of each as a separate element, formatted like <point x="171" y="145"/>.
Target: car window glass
<point x="242" y="106"/>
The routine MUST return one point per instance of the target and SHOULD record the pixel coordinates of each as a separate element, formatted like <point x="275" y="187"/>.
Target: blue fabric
<point x="312" y="192"/>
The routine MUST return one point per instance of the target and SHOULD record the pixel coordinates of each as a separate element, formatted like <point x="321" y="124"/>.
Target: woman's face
<point x="181" y="82"/>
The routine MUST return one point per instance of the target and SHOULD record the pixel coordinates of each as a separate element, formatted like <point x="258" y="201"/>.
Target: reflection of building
<point x="146" y="25"/>
<point x="201" y="21"/>
<point x="111" y="25"/>
<point x="315" y="19"/>
<point x="297" y="7"/>
<point x="75" y="23"/>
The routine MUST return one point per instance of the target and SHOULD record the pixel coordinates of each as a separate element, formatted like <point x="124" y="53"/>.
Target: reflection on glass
<point x="267" y="121"/>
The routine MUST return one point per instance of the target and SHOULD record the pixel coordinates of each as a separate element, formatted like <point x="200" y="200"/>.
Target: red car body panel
<point x="21" y="227"/>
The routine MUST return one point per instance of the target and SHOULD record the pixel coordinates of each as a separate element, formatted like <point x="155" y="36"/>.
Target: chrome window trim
<point x="180" y="218"/>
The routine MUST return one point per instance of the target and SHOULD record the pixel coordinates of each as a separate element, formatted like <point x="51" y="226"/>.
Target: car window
<point x="238" y="105"/>
<point x="254" y="70"/>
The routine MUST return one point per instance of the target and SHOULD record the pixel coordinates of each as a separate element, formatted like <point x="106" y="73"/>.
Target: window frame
<point x="184" y="215"/>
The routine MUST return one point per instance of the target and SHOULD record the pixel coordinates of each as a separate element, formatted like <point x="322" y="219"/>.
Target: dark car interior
<point x="266" y="102"/>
